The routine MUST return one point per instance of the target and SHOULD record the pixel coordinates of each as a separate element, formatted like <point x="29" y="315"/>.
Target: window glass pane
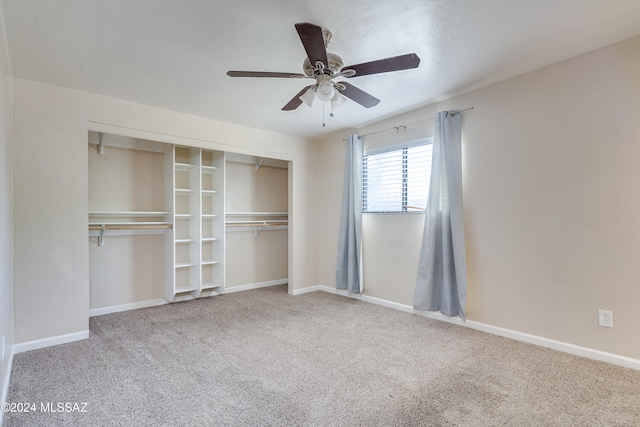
<point x="418" y="175"/>
<point x="383" y="182"/>
<point x="397" y="178"/>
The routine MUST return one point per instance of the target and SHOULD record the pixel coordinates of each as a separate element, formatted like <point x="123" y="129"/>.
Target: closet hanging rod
<point x="258" y="227"/>
<point x="257" y="213"/>
<point x="131" y="226"/>
<point x="123" y="213"/>
<point x="255" y="223"/>
<point x="127" y="226"/>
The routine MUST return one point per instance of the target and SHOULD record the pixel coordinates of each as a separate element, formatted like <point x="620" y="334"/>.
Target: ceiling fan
<point x="324" y="67"/>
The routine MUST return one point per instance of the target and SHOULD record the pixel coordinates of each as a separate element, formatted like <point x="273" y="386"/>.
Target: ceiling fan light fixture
<point x="337" y="100"/>
<point x="325" y="91"/>
<point x="308" y="97"/>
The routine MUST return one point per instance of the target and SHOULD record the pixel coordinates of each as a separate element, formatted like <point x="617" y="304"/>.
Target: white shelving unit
<point x="195" y="247"/>
<point x="212" y="221"/>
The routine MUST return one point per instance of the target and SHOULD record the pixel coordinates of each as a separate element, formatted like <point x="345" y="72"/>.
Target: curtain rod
<point x="397" y="128"/>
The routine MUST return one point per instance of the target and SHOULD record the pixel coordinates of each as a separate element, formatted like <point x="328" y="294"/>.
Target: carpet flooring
<point x="264" y="358"/>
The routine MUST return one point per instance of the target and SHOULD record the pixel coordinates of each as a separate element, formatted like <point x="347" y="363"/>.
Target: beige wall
<point x="254" y="259"/>
<point x="551" y="170"/>
<point x="248" y="190"/>
<point x="51" y="194"/>
<point x="6" y="211"/>
<point x="123" y="179"/>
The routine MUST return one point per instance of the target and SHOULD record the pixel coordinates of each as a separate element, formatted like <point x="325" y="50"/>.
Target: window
<point x="397" y="177"/>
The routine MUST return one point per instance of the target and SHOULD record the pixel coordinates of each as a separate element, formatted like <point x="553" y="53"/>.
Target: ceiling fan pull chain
<point x="323" y="123"/>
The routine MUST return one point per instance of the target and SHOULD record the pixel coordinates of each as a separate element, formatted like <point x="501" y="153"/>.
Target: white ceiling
<point x="174" y="54"/>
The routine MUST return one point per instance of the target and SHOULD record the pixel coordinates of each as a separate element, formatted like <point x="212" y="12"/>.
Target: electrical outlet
<point x="605" y="318"/>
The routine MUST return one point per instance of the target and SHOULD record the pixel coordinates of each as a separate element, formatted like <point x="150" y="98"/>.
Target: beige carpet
<point x="264" y="358"/>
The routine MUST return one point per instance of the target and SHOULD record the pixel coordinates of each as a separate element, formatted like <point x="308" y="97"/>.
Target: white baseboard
<point x="125" y="307"/>
<point x="156" y="302"/>
<point x="4" y="395"/>
<point x="247" y="287"/>
<point x="312" y="289"/>
<point x="577" y="350"/>
<point x="48" y="342"/>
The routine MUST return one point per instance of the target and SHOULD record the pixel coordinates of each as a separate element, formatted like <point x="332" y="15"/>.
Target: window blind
<point x="395" y="179"/>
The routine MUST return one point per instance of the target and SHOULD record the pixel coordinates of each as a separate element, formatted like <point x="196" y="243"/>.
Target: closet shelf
<point x="209" y="286"/>
<point x="184" y="265"/>
<point x="105" y="214"/>
<point x="128" y="225"/>
<point x="257" y="213"/>
<point x="185" y="240"/>
<point x="184" y="191"/>
<point x="184" y="289"/>
<point x="257" y="223"/>
<point x="184" y="166"/>
<point x="209" y="262"/>
<point x="209" y="239"/>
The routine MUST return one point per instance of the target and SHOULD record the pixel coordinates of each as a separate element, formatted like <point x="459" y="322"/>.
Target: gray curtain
<point x="348" y="269"/>
<point x="442" y="278"/>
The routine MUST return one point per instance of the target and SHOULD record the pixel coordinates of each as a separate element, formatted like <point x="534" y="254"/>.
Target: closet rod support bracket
<point x="100" y="145"/>
<point x="259" y="229"/>
<point x="101" y="236"/>
<point x="259" y="161"/>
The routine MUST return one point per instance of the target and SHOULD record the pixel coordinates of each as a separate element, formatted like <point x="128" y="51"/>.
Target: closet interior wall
<point x="128" y="177"/>
<point x="256" y="191"/>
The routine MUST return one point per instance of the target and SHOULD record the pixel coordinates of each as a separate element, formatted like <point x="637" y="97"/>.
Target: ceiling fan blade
<point x="359" y="96"/>
<point x="313" y="42"/>
<point x="263" y="74"/>
<point x="295" y="101"/>
<point x="396" y="63"/>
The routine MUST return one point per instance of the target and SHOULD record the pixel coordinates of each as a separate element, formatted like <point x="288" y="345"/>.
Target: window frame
<point x="404" y="146"/>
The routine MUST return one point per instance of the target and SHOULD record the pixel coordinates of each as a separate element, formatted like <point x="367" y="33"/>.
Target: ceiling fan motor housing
<point x="332" y="69"/>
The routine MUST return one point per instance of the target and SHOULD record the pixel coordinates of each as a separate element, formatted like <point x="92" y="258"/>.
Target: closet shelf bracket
<point x="100" y="146"/>
<point x="259" y="161"/>
<point x="258" y="230"/>
<point x="101" y="236"/>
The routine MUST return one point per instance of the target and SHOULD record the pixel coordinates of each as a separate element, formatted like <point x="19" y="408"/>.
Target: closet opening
<point x="257" y="221"/>
<point x="170" y="222"/>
